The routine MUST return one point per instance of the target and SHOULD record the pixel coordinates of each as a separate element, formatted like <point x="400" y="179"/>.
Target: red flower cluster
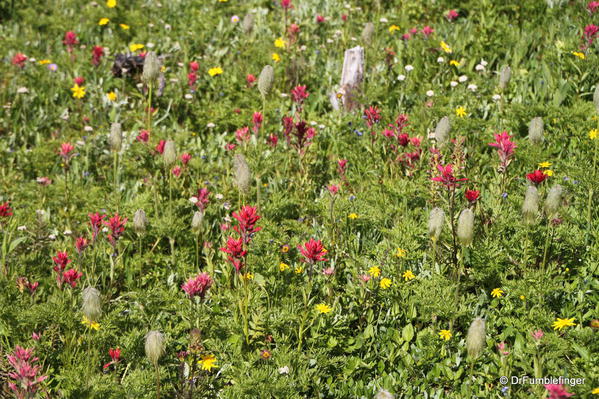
<point x="81" y="243"/>
<point x="197" y="285"/>
<point x="447" y="177"/>
<point x="202" y="198"/>
<point x="25" y="380"/>
<point x="19" y="60"/>
<point x="116" y="224"/>
<point x="61" y="260"/>
<point x="5" y="210"/>
<point x="95" y="221"/>
<point x="299" y="94"/>
<point x="299" y="131"/>
<point x="66" y="151"/>
<point x="97" y="54"/>
<point x="115" y="357"/>
<point x="472" y="195"/>
<point x="313" y="251"/>
<point x="24" y="283"/>
<point x="505" y="149"/>
<point x="537" y="177"/>
<point x="235" y="248"/>
<point x="372" y="116"/>
<point x="70" y="40"/>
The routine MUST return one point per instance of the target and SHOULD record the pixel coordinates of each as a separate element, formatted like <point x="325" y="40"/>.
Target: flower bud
<point x="196" y="222"/>
<point x="92" y="304"/>
<point x="169" y="155"/>
<point x="266" y="80"/>
<point x="435" y="223"/>
<point x="535" y="130"/>
<point x="530" y="207"/>
<point x="368" y="32"/>
<point x="466" y="227"/>
<point x="442" y="130"/>
<point x="475" y="339"/>
<point x="242" y="173"/>
<point x="116" y="137"/>
<point x="553" y="200"/>
<point x="140" y="221"/>
<point x="151" y="68"/>
<point x="154" y="346"/>
<point x="504" y="77"/>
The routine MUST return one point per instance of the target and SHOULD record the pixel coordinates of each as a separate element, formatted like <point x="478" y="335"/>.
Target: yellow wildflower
<point x="548" y="172"/>
<point x="78" y="91"/>
<point x="283" y="266"/>
<point x="111" y="3"/>
<point x="248" y="276"/>
<point x="446" y="48"/>
<point x="393" y="28"/>
<point x="215" y="71"/>
<point x="400" y="253"/>
<point x="276" y="57"/>
<point x="445" y="334"/>
<point x="92" y="325"/>
<point x="298" y="270"/>
<point x="134" y="47"/>
<point x="44" y="62"/>
<point x="522" y="297"/>
<point x="454" y="63"/>
<point x="323" y="308"/>
<point x="208" y="362"/>
<point x="124" y="26"/>
<point x="559" y="324"/>
<point x="353" y="216"/>
<point x="285" y="248"/>
<point x="103" y="21"/>
<point x="595" y="391"/>
<point x="593" y="134"/>
<point x="579" y="55"/>
<point x="280" y="43"/>
<point x="408" y="275"/>
<point x="544" y="164"/>
<point x="385" y="283"/>
<point x="111" y="96"/>
<point x="497" y="293"/>
<point x="460" y="111"/>
<point x="374" y="271"/>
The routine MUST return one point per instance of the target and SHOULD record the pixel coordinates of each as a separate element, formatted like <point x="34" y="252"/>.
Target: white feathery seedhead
<point x="384" y="394"/>
<point x="151" y="69"/>
<point x="596" y="97"/>
<point x="154" y="346"/>
<point x="116" y="137"/>
<point x="169" y="155"/>
<point x="553" y="200"/>
<point x="535" y="130"/>
<point x="504" y="77"/>
<point x="530" y="206"/>
<point x="92" y="304"/>
<point x="196" y="222"/>
<point x="266" y="80"/>
<point x="475" y="339"/>
<point x="435" y="223"/>
<point x="140" y="221"/>
<point x="466" y="227"/>
<point x="368" y="32"/>
<point x="242" y="173"/>
<point x="442" y="130"/>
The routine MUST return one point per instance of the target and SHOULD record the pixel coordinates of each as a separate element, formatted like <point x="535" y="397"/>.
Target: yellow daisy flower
<point x="283" y="266"/>
<point x="111" y="3"/>
<point x="280" y="43"/>
<point x="374" y="271"/>
<point x="44" y="62"/>
<point x="134" y="47"/>
<point x="323" y="308"/>
<point x="401" y="253"/>
<point x="298" y="270"/>
<point x="548" y="172"/>
<point x="544" y="164"/>
<point x="276" y="57"/>
<point x="593" y="134"/>
<point x="207" y="362"/>
<point x="446" y="48"/>
<point x="460" y="112"/>
<point x="497" y="293"/>
<point x="92" y="325"/>
<point x="579" y="55"/>
<point x="385" y="283"/>
<point x="78" y="91"/>
<point x="393" y="28"/>
<point x="560" y="324"/>
<point x="445" y="334"/>
<point x="215" y="71"/>
<point x="408" y="275"/>
<point x="454" y="63"/>
<point x="111" y="96"/>
<point x="353" y="216"/>
<point x="124" y="26"/>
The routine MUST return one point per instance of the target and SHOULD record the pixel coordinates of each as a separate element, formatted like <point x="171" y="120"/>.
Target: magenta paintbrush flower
<point x="447" y="177"/>
<point x="372" y="116"/>
<point x="66" y="151"/>
<point x="234" y="248"/>
<point x="299" y="94"/>
<point x="70" y="277"/>
<point x="198" y="285"/>
<point x="557" y="391"/>
<point x="25" y="380"/>
<point x="202" y="198"/>
<point x="247" y="218"/>
<point x="5" y="210"/>
<point x="505" y="149"/>
<point x="116" y="224"/>
<point x="313" y="251"/>
<point x="95" y="221"/>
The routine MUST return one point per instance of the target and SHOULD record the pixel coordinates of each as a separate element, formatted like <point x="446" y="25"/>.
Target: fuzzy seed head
<point x="247" y="25"/>
<point x="596" y="97"/>
<point x="384" y="394"/>
<point x="242" y="173"/>
<point x="266" y="80"/>
<point x="368" y="32"/>
<point x="435" y="223"/>
<point x="140" y="221"/>
<point x="504" y="77"/>
<point x="553" y="200"/>
<point x="151" y="68"/>
<point x="475" y="340"/>
<point x="116" y="137"/>
<point x="535" y="130"/>
<point x="466" y="227"/>
<point x="530" y="207"/>
<point x="196" y="222"/>
<point x="92" y="304"/>
<point x="170" y="153"/>
<point x="442" y="130"/>
<point x="154" y="346"/>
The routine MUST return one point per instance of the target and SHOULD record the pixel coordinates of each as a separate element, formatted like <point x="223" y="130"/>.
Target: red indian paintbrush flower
<point x="197" y="285"/>
<point x="250" y="80"/>
<point x="143" y="136"/>
<point x="557" y="391"/>
<point x="313" y="251"/>
<point x="451" y="15"/>
<point x="95" y="220"/>
<point x="447" y="178"/>
<point x="247" y="218"/>
<point x="202" y="198"/>
<point x="19" y="60"/>
<point x="372" y="116"/>
<point x="24" y="379"/>
<point x="160" y="147"/>
<point x="257" y="120"/>
<point x="97" y="53"/>
<point x="115" y="357"/>
<point x="66" y="151"/>
<point x="185" y="158"/>
<point x="299" y="94"/>
<point x="5" y="210"/>
<point x="70" y="277"/>
<point x="286" y="4"/>
<point x="24" y="283"/>
<point x="81" y="243"/>
<point x="61" y="260"/>
<point x="537" y="177"/>
<point x="70" y="40"/>
<point x="236" y="252"/>
<point x="116" y="224"/>
<point x="505" y="148"/>
<point x="472" y="195"/>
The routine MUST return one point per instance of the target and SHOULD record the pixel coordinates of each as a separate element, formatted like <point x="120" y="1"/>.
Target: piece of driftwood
<point x="352" y="77"/>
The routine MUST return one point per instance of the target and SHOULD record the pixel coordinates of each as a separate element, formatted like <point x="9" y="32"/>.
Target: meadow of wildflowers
<point x="206" y="199"/>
